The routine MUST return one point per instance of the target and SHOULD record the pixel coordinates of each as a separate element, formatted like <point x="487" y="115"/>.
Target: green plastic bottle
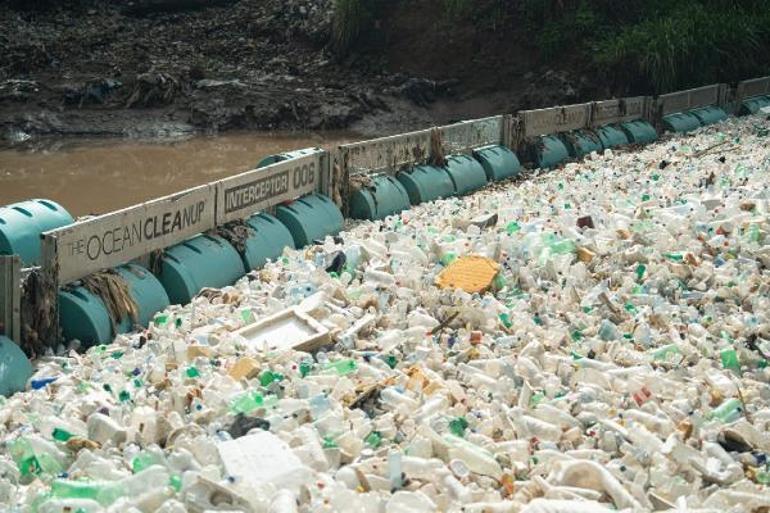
<point x="754" y="232"/>
<point x="536" y="399"/>
<point x="33" y="461"/>
<point x="457" y="426"/>
<point x="729" y="411"/>
<point x="268" y="377"/>
<point x="107" y="492"/>
<point x="665" y="352"/>
<point x="250" y="401"/>
<point x="562" y="247"/>
<point x="247" y="315"/>
<point x="305" y="367"/>
<point x="730" y="360"/>
<point x="61" y="435"/>
<point x="342" y="367"/>
<point x="175" y="482"/>
<point x="448" y="258"/>
<point x="143" y="461"/>
<point x="103" y="492"/>
<point x="374" y="439"/>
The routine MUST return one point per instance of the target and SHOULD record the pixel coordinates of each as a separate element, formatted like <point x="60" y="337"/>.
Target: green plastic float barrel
<point x="681" y="122"/>
<point x="639" y="131"/>
<point x="310" y="218"/>
<point x="267" y="241"/>
<point x="581" y="143"/>
<point x="22" y="223"/>
<point x="270" y="160"/>
<point x="15" y="368"/>
<point x="550" y="152"/>
<point x="611" y="136"/>
<point x="466" y="173"/>
<point x="84" y="316"/>
<point x="197" y="263"/>
<point x="386" y="196"/>
<point x="147" y="292"/>
<point x="280" y="157"/>
<point x="753" y="105"/>
<point x="426" y="183"/>
<point x="709" y="115"/>
<point x="499" y="162"/>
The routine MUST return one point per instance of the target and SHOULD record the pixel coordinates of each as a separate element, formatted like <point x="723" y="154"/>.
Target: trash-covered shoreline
<point x="616" y="362"/>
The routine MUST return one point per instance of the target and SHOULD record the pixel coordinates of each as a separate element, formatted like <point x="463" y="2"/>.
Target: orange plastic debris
<point x="473" y="274"/>
<point x="244" y="368"/>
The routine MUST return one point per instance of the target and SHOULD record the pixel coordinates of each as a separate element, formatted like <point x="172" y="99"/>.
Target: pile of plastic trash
<point x="617" y="362"/>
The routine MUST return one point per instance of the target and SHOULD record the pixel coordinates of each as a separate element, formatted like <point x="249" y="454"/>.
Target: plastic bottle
<point x="104" y="429"/>
<point x="379" y="278"/>
<point x="56" y="505"/>
<point x="342" y="367"/>
<point x="475" y="458"/>
<point x="395" y="469"/>
<point x="35" y="456"/>
<point x="283" y="502"/>
<point x="431" y="407"/>
<point x="107" y="492"/>
<point x="251" y="401"/>
<point x="394" y="399"/>
<point x="729" y="411"/>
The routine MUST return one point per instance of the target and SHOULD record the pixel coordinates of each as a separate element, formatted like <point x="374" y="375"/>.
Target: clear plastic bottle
<point x="396" y="400"/>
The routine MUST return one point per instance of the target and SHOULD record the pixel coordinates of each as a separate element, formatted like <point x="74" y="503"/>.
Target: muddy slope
<point x="154" y="68"/>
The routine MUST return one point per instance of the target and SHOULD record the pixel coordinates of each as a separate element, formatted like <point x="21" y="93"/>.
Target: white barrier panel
<point x="245" y="194"/>
<point x="753" y="87"/>
<point x="118" y="237"/>
<point x="618" y="111"/>
<point x="555" y="119"/>
<point x="689" y="99"/>
<point x="386" y="153"/>
<point x="467" y="135"/>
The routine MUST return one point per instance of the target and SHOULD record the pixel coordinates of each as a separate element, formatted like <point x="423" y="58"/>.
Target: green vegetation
<point x="657" y="45"/>
<point x="693" y="44"/>
<point x="351" y="19"/>
<point x="661" y="45"/>
<point x="457" y="8"/>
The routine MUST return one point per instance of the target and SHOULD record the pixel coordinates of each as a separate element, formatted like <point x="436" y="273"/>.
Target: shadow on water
<point x="97" y="176"/>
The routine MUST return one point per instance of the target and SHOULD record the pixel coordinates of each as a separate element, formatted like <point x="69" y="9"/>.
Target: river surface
<point x="97" y="176"/>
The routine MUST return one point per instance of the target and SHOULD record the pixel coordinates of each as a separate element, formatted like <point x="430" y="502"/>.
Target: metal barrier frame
<point x="620" y="110"/>
<point x="389" y="155"/>
<point x="10" y="297"/>
<point x="753" y="87"/>
<point x="555" y="119"/>
<point x="116" y="238"/>
<point x="466" y="136"/>
<point x="689" y="99"/>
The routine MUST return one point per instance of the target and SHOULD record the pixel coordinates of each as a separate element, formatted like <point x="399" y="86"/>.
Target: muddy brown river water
<point x="97" y="176"/>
